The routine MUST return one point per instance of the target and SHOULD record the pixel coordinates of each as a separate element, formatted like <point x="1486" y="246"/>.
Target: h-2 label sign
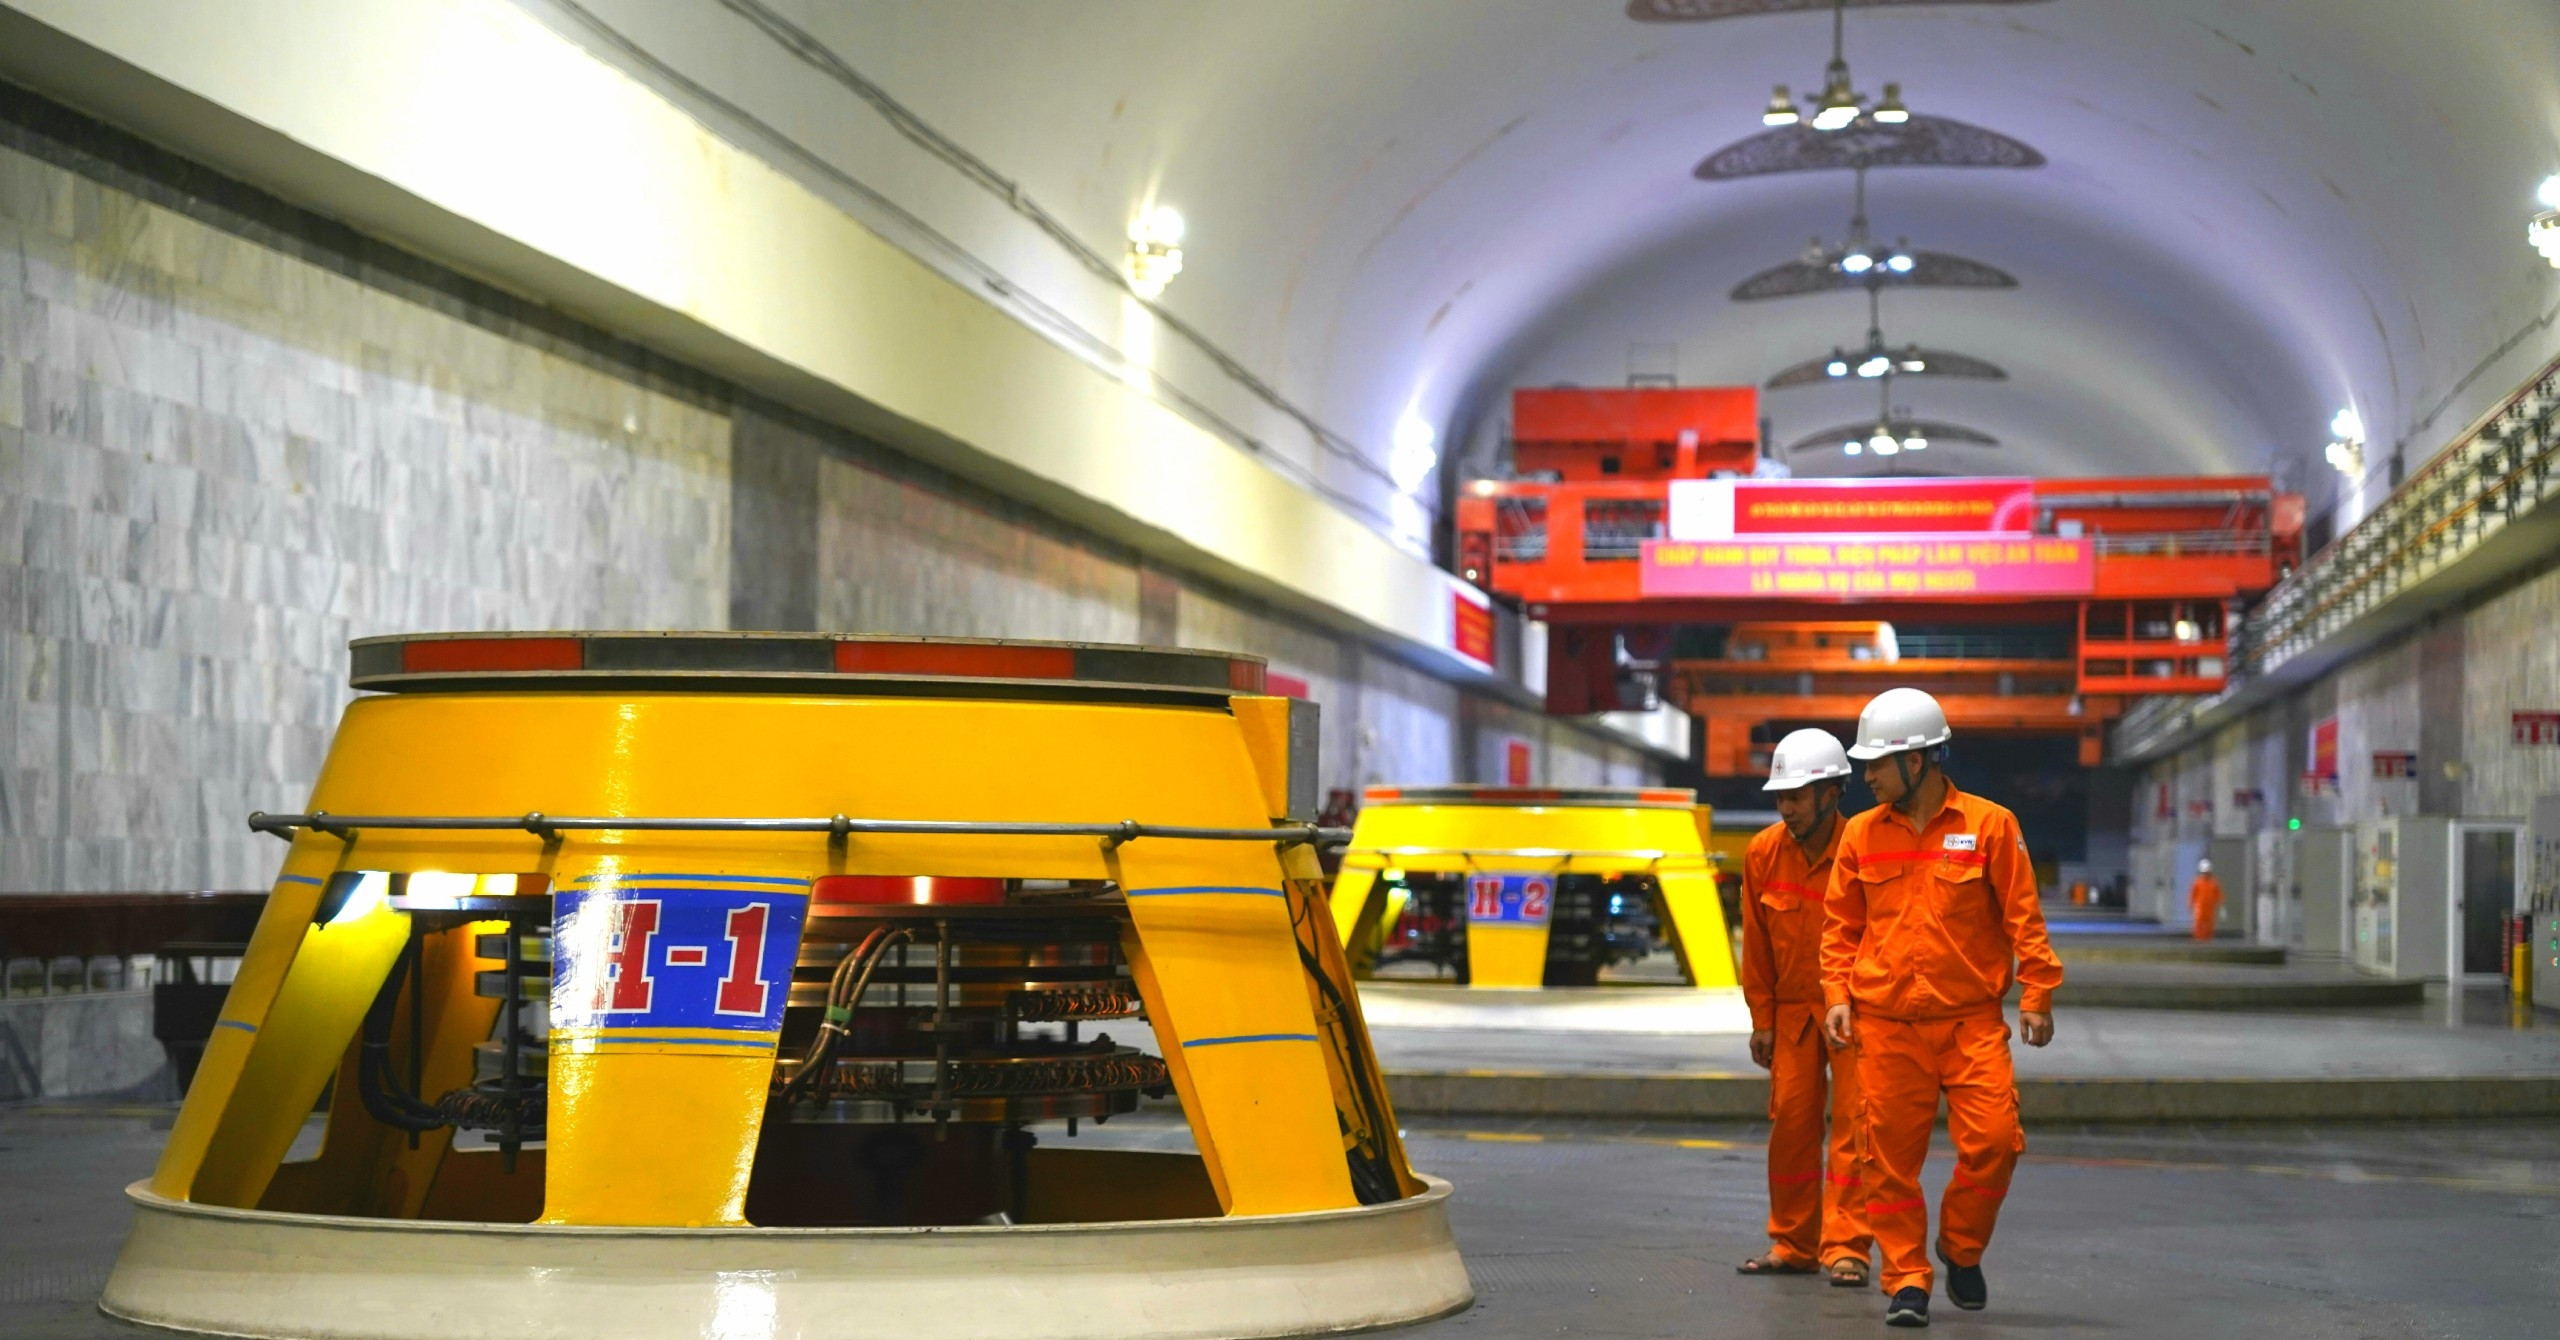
<point x="1510" y="900"/>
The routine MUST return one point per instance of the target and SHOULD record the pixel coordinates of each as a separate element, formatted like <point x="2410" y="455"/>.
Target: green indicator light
<point x="2293" y="823"/>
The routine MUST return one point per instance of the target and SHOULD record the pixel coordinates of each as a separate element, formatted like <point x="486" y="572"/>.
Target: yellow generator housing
<point x="789" y="946"/>
<point x="1515" y="887"/>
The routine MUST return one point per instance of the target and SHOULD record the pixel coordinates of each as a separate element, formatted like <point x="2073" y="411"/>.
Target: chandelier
<point x="1839" y="105"/>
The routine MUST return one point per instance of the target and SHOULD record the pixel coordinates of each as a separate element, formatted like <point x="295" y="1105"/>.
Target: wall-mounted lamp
<point x="1155" y="249"/>
<point x="1412" y="452"/>
<point x="2544" y="231"/>
<point x="2346" y="445"/>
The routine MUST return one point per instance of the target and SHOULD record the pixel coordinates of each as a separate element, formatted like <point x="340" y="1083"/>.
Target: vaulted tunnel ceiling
<point x="2250" y="213"/>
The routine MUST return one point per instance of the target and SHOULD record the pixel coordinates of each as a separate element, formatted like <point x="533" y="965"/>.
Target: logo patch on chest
<point x="1960" y="842"/>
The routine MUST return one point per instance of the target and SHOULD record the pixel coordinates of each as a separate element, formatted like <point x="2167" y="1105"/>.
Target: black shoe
<point x="1910" y="1307"/>
<point x="1965" y="1286"/>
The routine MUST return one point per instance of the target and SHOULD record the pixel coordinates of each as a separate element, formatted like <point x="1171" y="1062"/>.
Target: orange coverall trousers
<point x="1902" y="1069"/>
<point x="1815" y="1209"/>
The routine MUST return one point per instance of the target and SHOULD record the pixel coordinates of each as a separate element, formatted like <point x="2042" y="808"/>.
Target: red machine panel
<point x="2135" y="576"/>
<point x="1593" y="433"/>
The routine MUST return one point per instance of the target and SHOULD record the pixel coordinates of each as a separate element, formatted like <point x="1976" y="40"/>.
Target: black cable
<point x="387" y="1101"/>
<point x="1373" y="1178"/>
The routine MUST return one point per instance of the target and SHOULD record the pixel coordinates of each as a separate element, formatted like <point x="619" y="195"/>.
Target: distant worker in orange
<point x="1933" y="915"/>
<point x="2204" y="900"/>
<point x="1814" y="1214"/>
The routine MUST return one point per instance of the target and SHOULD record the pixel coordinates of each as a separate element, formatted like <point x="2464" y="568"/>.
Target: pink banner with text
<point x="1853" y="567"/>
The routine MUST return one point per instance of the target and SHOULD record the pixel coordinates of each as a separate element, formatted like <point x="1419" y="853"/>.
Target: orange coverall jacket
<point x="1925" y="921"/>
<point x="1782" y="912"/>
<point x="2204" y="904"/>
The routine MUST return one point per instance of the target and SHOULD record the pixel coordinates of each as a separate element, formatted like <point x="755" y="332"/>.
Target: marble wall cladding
<point x="225" y="450"/>
<point x="1406" y="727"/>
<point x="88" y="1044"/>
<point x="1561" y="753"/>
<point x="2511" y="651"/>
<point x="219" y="462"/>
<point x="1331" y="668"/>
<point x="1384" y="722"/>
<point x="2378" y="709"/>
<point x="897" y="557"/>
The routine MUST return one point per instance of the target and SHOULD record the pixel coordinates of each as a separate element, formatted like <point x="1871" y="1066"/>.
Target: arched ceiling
<point x="2253" y="212"/>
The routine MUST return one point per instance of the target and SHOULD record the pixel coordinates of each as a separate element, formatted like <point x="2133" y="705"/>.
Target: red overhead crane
<point x="2127" y="582"/>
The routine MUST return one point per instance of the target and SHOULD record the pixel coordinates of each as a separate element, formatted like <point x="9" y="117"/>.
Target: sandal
<point x="1774" y="1264"/>
<point x="1849" y="1272"/>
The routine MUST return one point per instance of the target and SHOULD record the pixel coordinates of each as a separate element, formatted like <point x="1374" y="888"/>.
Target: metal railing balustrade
<point x="2500" y="471"/>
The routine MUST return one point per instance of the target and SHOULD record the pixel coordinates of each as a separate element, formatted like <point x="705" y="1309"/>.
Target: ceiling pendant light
<point x="1856" y="261"/>
<point x="1781" y="110"/>
<point x="1912" y="361"/>
<point x="1900" y="261"/>
<point x="1883" y="442"/>
<point x="1890" y="111"/>
<point x="1839" y="364"/>
<point x="1915" y="442"/>
<point x="1876" y="365"/>
<point x="1852" y="447"/>
<point x="1838" y="107"/>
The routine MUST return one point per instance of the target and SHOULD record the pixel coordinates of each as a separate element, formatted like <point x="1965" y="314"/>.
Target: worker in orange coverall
<point x="2204" y="900"/>
<point x="1814" y="1215"/>
<point x="1933" y="914"/>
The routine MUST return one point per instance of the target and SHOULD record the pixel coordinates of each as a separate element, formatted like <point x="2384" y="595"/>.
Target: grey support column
<point x="1159" y="606"/>
<point x="773" y="526"/>
<point x="2441" y="712"/>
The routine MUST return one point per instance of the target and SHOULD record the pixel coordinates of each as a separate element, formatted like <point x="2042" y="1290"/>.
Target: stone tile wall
<point x="2512" y="663"/>
<point x="897" y="557"/>
<point x="219" y="462"/>
<point x="2447" y="692"/>
<point x="227" y="447"/>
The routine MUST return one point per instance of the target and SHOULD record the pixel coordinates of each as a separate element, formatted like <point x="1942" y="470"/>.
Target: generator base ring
<point x="225" y="1271"/>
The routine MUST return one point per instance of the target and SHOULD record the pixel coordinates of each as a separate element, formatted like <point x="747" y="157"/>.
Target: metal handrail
<point x="2185" y="544"/>
<point x="549" y="827"/>
<point x="2504" y="465"/>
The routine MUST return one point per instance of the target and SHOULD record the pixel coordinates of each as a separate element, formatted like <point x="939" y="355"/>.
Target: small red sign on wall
<point x="2394" y="763"/>
<point x="2324" y="749"/>
<point x="1515" y="762"/>
<point x="2536" y="728"/>
<point x="1471" y="625"/>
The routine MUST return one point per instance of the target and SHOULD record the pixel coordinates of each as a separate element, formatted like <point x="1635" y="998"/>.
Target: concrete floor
<point x="2472" y="1034"/>
<point x="1600" y="1229"/>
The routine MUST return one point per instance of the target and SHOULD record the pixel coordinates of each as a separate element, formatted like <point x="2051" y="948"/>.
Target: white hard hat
<point x="1899" y="719"/>
<point x="1805" y="757"/>
<point x="2204" y="867"/>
